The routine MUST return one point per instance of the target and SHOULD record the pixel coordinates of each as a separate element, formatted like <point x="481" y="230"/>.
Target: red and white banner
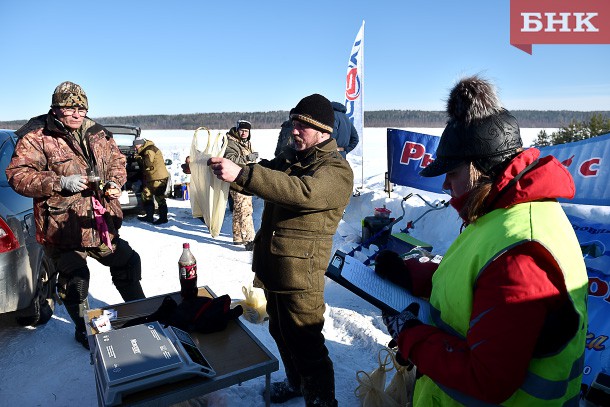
<point x="559" y="22"/>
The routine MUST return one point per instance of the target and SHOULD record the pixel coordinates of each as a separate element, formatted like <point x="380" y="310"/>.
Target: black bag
<point x="163" y="314"/>
<point x="204" y="314"/>
<point x="200" y="314"/>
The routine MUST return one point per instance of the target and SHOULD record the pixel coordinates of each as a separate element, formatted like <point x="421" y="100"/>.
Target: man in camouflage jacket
<point x="239" y="150"/>
<point x="67" y="163"/>
<point x="306" y="191"/>
<point x="155" y="179"/>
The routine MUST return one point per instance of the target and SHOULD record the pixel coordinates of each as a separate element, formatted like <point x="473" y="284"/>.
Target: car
<point x="124" y="136"/>
<point x="27" y="277"/>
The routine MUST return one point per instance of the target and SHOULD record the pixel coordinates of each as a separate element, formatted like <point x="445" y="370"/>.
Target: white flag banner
<point x="354" y="88"/>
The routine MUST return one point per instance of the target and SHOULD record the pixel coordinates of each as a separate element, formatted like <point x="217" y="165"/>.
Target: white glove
<point x="73" y="183"/>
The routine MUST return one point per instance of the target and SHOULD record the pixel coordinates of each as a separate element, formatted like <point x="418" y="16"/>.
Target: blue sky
<point x="160" y="57"/>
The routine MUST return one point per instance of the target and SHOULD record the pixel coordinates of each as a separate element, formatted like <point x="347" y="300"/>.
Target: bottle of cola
<point x="188" y="273"/>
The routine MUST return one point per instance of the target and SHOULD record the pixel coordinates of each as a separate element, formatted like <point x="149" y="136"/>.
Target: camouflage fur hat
<point x="68" y="94"/>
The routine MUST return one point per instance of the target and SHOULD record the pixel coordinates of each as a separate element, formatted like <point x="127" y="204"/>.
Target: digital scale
<point x="139" y="357"/>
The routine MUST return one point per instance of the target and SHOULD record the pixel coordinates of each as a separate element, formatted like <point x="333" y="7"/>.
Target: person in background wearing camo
<point x="73" y="169"/>
<point x="239" y="150"/>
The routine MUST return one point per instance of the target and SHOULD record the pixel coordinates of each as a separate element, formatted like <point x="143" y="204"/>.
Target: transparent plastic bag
<point x="208" y="194"/>
<point x="254" y="305"/>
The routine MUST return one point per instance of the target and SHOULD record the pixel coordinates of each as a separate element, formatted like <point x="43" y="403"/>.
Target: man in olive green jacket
<point x="306" y="190"/>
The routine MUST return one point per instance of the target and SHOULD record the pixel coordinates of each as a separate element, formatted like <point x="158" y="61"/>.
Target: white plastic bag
<point x="208" y="194"/>
<point x="402" y="385"/>
<point x="372" y="390"/>
<point x="371" y="387"/>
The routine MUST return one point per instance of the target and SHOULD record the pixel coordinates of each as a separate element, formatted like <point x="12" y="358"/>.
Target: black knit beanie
<point x="315" y="111"/>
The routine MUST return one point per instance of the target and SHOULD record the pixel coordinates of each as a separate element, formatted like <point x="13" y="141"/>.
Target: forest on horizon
<point x="379" y="118"/>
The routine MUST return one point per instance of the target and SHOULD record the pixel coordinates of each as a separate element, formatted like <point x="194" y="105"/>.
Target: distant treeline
<point x="379" y="118"/>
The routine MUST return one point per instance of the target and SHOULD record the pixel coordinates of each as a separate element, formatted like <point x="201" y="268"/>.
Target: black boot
<point x="280" y="392"/>
<point x="162" y="215"/>
<point x="319" y="388"/>
<point x="149" y="208"/>
<point x="81" y="337"/>
<point x="76" y="314"/>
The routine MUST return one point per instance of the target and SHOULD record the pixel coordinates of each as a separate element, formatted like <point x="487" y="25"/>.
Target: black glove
<point x="390" y="266"/>
<point x="406" y="319"/>
<point x="204" y="314"/>
<point x="399" y="358"/>
<point x="402" y="361"/>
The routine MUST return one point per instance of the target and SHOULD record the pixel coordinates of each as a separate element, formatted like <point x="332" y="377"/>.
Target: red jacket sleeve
<point x="513" y="296"/>
<point x="421" y="276"/>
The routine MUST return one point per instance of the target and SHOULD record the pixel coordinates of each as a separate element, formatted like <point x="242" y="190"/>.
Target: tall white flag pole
<point x="354" y="92"/>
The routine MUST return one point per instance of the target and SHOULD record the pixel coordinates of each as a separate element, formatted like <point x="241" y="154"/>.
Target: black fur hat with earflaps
<point x="479" y="130"/>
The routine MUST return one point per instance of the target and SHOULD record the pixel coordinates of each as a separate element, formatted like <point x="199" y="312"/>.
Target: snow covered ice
<point x="44" y="366"/>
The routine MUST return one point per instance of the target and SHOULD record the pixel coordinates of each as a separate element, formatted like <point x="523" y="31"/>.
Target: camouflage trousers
<point x="243" y="226"/>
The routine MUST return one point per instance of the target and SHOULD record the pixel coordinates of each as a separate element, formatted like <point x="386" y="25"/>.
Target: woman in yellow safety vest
<point x="508" y="299"/>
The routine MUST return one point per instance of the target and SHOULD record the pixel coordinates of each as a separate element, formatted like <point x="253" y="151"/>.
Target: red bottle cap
<point x="186" y="245"/>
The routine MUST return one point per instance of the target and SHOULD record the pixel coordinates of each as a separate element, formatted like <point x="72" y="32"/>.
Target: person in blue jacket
<point x="344" y="131"/>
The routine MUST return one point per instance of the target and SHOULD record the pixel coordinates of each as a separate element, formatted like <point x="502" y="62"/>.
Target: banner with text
<point x="587" y="161"/>
<point x="410" y="152"/>
<point x="594" y="239"/>
<point x="354" y="87"/>
<point x="558" y="22"/>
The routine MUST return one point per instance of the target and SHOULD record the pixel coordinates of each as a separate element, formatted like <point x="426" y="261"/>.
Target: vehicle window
<point x="123" y="139"/>
<point x="10" y="200"/>
<point x="6" y="152"/>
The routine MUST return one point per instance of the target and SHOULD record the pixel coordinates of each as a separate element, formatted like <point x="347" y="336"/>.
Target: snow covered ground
<point x="44" y="366"/>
